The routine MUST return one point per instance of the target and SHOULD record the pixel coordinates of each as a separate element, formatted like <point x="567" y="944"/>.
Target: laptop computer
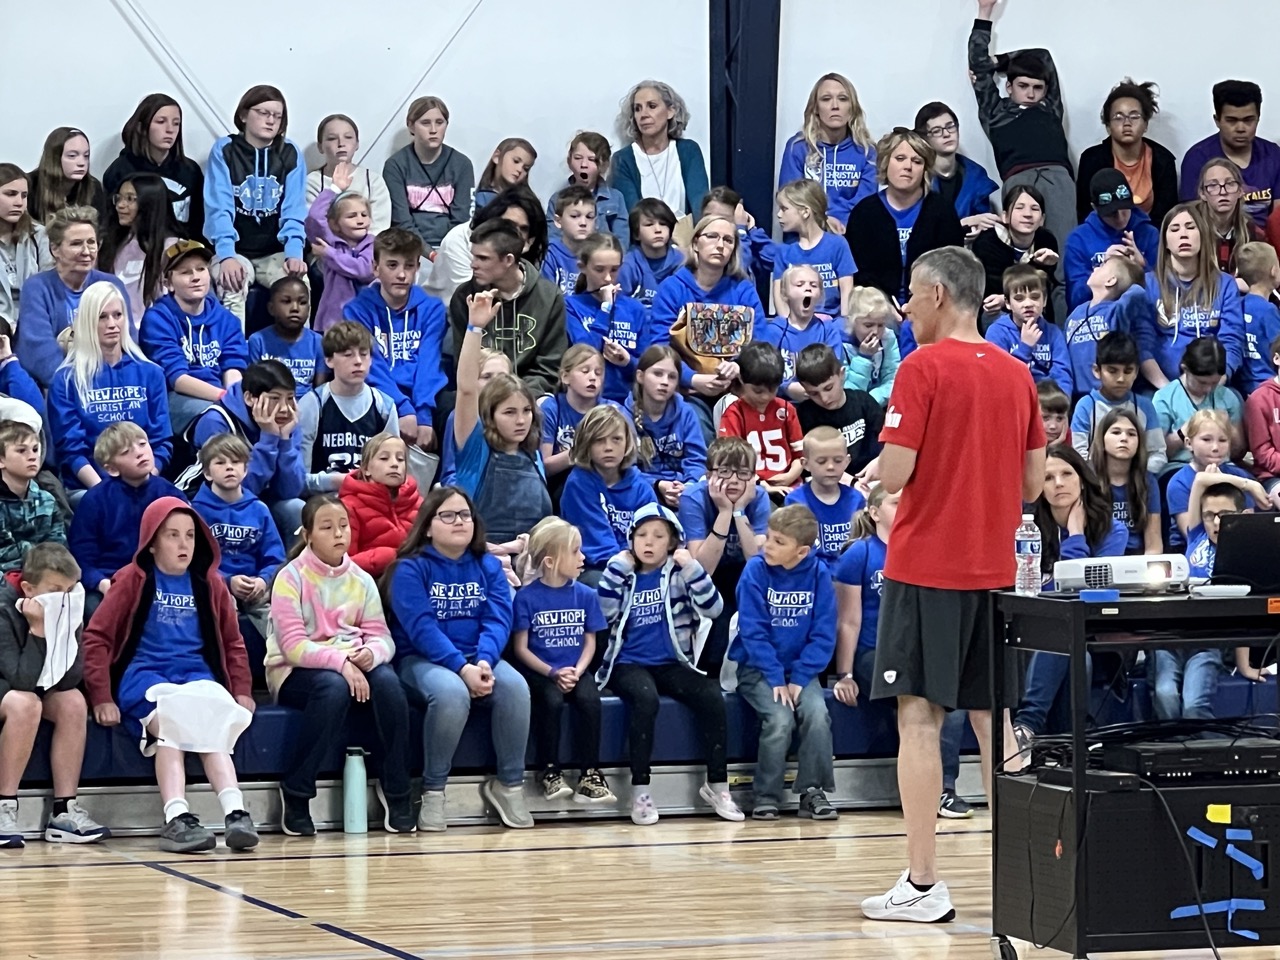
<point x="1249" y="552"/>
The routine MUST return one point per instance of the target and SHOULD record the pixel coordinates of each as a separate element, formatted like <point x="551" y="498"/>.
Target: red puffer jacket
<point x="379" y="524"/>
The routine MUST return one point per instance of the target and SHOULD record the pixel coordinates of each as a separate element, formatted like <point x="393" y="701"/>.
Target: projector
<point x="1163" y="573"/>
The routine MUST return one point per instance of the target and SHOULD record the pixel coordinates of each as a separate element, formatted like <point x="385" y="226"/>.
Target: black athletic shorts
<point x="934" y="644"/>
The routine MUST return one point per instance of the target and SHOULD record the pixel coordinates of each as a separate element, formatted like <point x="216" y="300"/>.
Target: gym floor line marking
<point x="382" y="854"/>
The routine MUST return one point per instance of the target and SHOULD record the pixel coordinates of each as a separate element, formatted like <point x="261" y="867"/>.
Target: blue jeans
<point x="183" y="409"/>
<point x="1047" y="676"/>
<point x="448" y="703"/>
<point x="777" y="724"/>
<point x="288" y="517"/>
<point x="1196" y="672"/>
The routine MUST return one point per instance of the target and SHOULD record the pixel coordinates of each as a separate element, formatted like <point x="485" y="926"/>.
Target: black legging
<point x="546" y="709"/>
<point x="639" y="687"/>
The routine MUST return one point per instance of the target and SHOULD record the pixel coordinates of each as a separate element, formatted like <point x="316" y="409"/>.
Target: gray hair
<point x="675" y="103"/>
<point x="959" y="272"/>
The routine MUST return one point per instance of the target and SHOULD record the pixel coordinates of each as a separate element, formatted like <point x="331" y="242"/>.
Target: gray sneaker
<point x="509" y="802"/>
<point x="184" y="834"/>
<point x="815" y="805"/>
<point x="240" y="834"/>
<point x="431" y="813"/>
<point x="10" y="835"/>
<point x="74" y="826"/>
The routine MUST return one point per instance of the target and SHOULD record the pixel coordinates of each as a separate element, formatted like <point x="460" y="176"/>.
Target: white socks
<point x="231" y="799"/>
<point x="176" y="808"/>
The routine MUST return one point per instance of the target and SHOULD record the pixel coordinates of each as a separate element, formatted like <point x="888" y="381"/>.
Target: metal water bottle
<point x="355" y="793"/>
<point x="1026" y="542"/>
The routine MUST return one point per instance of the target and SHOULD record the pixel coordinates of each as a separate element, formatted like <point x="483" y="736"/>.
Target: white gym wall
<point x="903" y="54"/>
<point x="539" y="69"/>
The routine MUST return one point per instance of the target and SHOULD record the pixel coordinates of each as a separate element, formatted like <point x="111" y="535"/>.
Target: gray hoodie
<point x="18" y="262"/>
<point x="429" y="198"/>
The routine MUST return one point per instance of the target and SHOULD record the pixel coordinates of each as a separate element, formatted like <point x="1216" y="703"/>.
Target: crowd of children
<point x="373" y="440"/>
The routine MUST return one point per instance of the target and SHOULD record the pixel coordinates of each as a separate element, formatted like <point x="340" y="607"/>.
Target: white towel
<point x="63" y="614"/>
<point x="196" y="717"/>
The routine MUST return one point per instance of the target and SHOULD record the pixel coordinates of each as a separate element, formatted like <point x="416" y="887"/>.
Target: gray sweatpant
<point x="1059" y="190"/>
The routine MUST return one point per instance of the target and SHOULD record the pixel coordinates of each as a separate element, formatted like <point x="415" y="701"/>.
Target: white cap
<point x="1029" y="517"/>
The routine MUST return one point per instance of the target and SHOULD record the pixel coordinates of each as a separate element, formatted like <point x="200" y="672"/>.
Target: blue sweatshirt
<point x="627" y="325"/>
<point x="45" y="308"/>
<point x="205" y="346"/>
<point x="835" y="520"/>
<point x="15" y="382"/>
<point x="104" y="532"/>
<point x="830" y="256"/>
<point x="276" y="471"/>
<point x="1261" y="326"/>
<point x="1077" y="547"/>
<point x="790" y="340"/>
<point x="304" y="357"/>
<point x="407" y="348"/>
<point x="602" y="513"/>
<point x="1165" y="340"/>
<point x="680" y="452"/>
<point x="450" y="612"/>
<point x="245" y="531"/>
<point x="640" y="277"/>
<point x="1047" y="360"/>
<point x="1087" y="246"/>
<point x="845" y="170"/>
<point x="132" y="390"/>
<point x="1090" y="322"/>
<point x="976" y="187"/>
<point x="785" y="629"/>
<point x="560" y="266"/>
<point x="682" y="288"/>
<point x="255" y="199"/>
<point x="906" y="340"/>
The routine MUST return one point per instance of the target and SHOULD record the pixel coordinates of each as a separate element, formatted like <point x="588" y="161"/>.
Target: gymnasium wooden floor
<point x="693" y="887"/>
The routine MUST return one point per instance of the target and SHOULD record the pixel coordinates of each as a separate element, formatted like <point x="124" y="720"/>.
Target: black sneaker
<point x="815" y="806"/>
<point x="295" y="817"/>
<point x="185" y="834"/>
<point x="240" y="834"/>
<point x="953" y="807"/>
<point x="397" y="812"/>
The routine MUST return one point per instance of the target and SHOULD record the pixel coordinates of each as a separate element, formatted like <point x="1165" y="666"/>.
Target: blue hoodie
<point x="304" y="357"/>
<point x="680" y="452"/>
<point x="104" y="532"/>
<point x="830" y="256"/>
<point x="785" y="629"/>
<point x="976" y="187"/>
<point x="407" y="348"/>
<point x="906" y="341"/>
<point x="255" y="198"/>
<point x="1076" y="547"/>
<point x="1090" y="322"/>
<point x="450" y="612"/>
<point x="1261" y="326"/>
<point x="15" y="382"/>
<point x="602" y="513"/>
<point x="45" y="308"/>
<point x="245" y="531"/>
<point x="626" y="324"/>
<point x="276" y="471"/>
<point x="1164" y="341"/>
<point x="640" y="277"/>
<point x="1087" y="247"/>
<point x="132" y="390"/>
<point x="1047" y="360"/>
<point x="790" y="340"/>
<point x="560" y="266"/>
<point x="205" y="346"/>
<point x="682" y="288"/>
<point x="845" y="170"/>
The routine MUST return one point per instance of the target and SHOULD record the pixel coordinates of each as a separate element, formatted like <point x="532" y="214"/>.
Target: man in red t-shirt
<point x="964" y="442"/>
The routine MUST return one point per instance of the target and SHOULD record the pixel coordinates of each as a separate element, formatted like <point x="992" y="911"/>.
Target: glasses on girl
<point x="450" y="517"/>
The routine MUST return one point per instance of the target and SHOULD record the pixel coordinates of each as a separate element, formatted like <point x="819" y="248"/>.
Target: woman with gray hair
<point x="661" y="164"/>
<point x="888" y="231"/>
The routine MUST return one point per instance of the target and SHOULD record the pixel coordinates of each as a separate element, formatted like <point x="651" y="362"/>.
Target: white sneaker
<point x="75" y="826"/>
<point x="721" y="802"/>
<point x="643" y="811"/>
<point x="905" y="902"/>
<point x="10" y="835"/>
<point x="431" y="818"/>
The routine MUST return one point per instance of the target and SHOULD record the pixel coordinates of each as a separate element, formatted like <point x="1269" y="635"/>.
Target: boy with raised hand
<point x="1117" y="301"/>
<point x="575" y="220"/>
<point x="104" y="531"/>
<point x="408" y="329"/>
<point x="338" y="418"/>
<point x="28" y="514"/>
<point x="1025" y="129"/>
<point x="242" y="526"/>
<point x="39" y="681"/>
<point x="786" y="637"/>
<point x="1116" y="369"/>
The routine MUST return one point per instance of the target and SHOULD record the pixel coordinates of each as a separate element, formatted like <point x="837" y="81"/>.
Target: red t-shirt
<point x="971" y="413"/>
<point x="774" y="434"/>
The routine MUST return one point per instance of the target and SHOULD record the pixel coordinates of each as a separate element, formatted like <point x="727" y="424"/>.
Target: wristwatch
<point x="845" y="676"/>
<point x="739" y="514"/>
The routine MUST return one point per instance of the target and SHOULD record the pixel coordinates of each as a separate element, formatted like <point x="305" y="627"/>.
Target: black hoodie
<point x="181" y="175"/>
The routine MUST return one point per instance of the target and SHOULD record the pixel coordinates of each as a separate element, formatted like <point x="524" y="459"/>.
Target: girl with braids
<point x="672" y="451"/>
<point x="1119" y="458"/>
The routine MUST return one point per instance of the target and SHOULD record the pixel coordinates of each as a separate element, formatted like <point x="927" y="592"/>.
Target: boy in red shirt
<point x="765" y="420"/>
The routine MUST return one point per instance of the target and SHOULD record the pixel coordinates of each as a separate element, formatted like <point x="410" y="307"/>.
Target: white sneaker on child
<point x="75" y="826"/>
<point x="10" y="835"/>
<point x="721" y="802"/>
<point x="905" y="902"/>
<point x="643" y="811"/>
